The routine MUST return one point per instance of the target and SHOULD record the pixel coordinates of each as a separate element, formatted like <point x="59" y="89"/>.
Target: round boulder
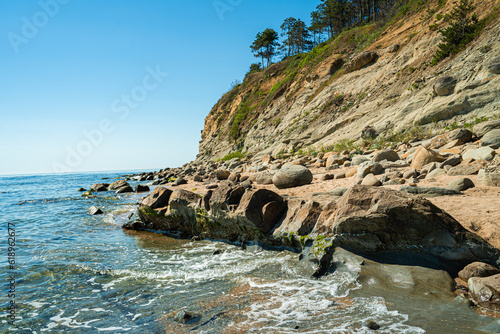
<point x="445" y="85"/>
<point x="388" y="155"/>
<point x="491" y="139"/>
<point x="222" y="174"/>
<point x="461" y="184"/>
<point x="478" y="269"/>
<point x="292" y="176"/>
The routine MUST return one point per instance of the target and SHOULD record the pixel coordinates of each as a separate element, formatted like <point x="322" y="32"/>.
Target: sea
<point x="64" y="271"/>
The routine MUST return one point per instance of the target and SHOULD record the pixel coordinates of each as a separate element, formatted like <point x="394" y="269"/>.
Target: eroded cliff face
<point x="338" y="89"/>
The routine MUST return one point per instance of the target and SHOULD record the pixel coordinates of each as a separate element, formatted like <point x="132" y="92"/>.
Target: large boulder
<point x="99" y="187"/>
<point x="124" y="189"/>
<point x="485" y="291"/>
<point x="461" y="184"/>
<point x="494" y="65"/>
<point x="140" y="188"/>
<point x="483" y="153"/>
<point x="389" y="155"/>
<point x="262" y="208"/>
<point x="445" y="85"/>
<point x="483" y="128"/>
<point x="477" y="269"/>
<point x="157" y="199"/>
<point x="466" y="169"/>
<point x="301" y="217"/>
<point x="292" y="176"/>
<point x="360" y="60"/>
<point x="424" y="156"/>
<point x="491" y="139"/>
<point x="118" y="184"/>
<point x="372" y="219"/>
<point x="222" y="174"/>
<point x="457" y="137"/>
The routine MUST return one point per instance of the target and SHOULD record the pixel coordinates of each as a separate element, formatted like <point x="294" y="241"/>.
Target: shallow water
<point x="81" y="274"/>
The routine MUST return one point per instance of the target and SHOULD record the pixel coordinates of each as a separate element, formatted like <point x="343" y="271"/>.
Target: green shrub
<point x="463" y="28"/>
<point x="236" y="154"/>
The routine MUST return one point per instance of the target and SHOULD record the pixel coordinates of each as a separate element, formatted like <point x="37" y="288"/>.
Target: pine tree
<point x="265" y="45"/>
<point x="287" y="29"/>
<point x="462" y="30"/>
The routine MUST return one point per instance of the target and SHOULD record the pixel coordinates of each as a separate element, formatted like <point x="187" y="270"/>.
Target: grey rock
<point x="371" y="180"/>
<point x="483" y="128"/>
<point x="99" y="187"/>
<point x="491" y="139"/>
<point x="485" y="153"/>
<point x="118" y="184"/>
<point x="445" y="85"/>
<point x="461" y="184"/>
<point x="359" y="159"/>
<point x="471" y="169"/>
<point x="451" y="161"/>
<point x="94" y="211"/>
<point x="140" y="188"/>
<point x="180" y="181"/>
<point x="410" y="173"/>
<point x="124" y="189"/>
<point x="494" y="65"/>
<point x="485" y="291"/>
<point x="369" y="167"/>
<point x="368" y="133"/>
<point x="428" y="191"/>
<point x="292" y="176"/>
<point x="340" y="176"/>
<point x="264" y="177"/>
<point x="436" y="173"/>
<point x="389" y="155"/>
<point x="340" y="191"/>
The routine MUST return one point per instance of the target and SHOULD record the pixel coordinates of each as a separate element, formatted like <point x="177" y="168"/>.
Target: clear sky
<point x="91" y="85"/>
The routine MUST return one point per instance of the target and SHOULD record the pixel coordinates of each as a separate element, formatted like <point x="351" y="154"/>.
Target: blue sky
<point x="113" y="85"/>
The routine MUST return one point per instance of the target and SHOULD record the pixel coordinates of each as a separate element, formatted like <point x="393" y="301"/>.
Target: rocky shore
<point x="412" y="204"/>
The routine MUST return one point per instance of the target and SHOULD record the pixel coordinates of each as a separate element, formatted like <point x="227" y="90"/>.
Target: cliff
<point x="373" y="78"/>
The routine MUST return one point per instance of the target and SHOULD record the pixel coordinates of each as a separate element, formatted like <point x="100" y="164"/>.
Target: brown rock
<point x="336" y="159"/>
<point x="222" y="174"/>
<point x="424" y="156"/>
<point x="457" y="136"/>
<point x="118" y="184"/>
<point x="359" y="61"/>
<point x="99" y="187"/>
<point x="478" y="269"/>
<point x="351" y="172"/>
<point x="157" y="199"/>
<point x="226" y="197"/>
<point x="371" y="180"/>
<point x="374" y="219"/>
<point x="267" y="158"/>
<point x="301" y="217"/>
<point x="485" y="291"/>
<point x="252" y="204"/>
<point x="465" y="169"/>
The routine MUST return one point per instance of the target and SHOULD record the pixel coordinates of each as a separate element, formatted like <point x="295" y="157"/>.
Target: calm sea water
<point x="76" y="273"/>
